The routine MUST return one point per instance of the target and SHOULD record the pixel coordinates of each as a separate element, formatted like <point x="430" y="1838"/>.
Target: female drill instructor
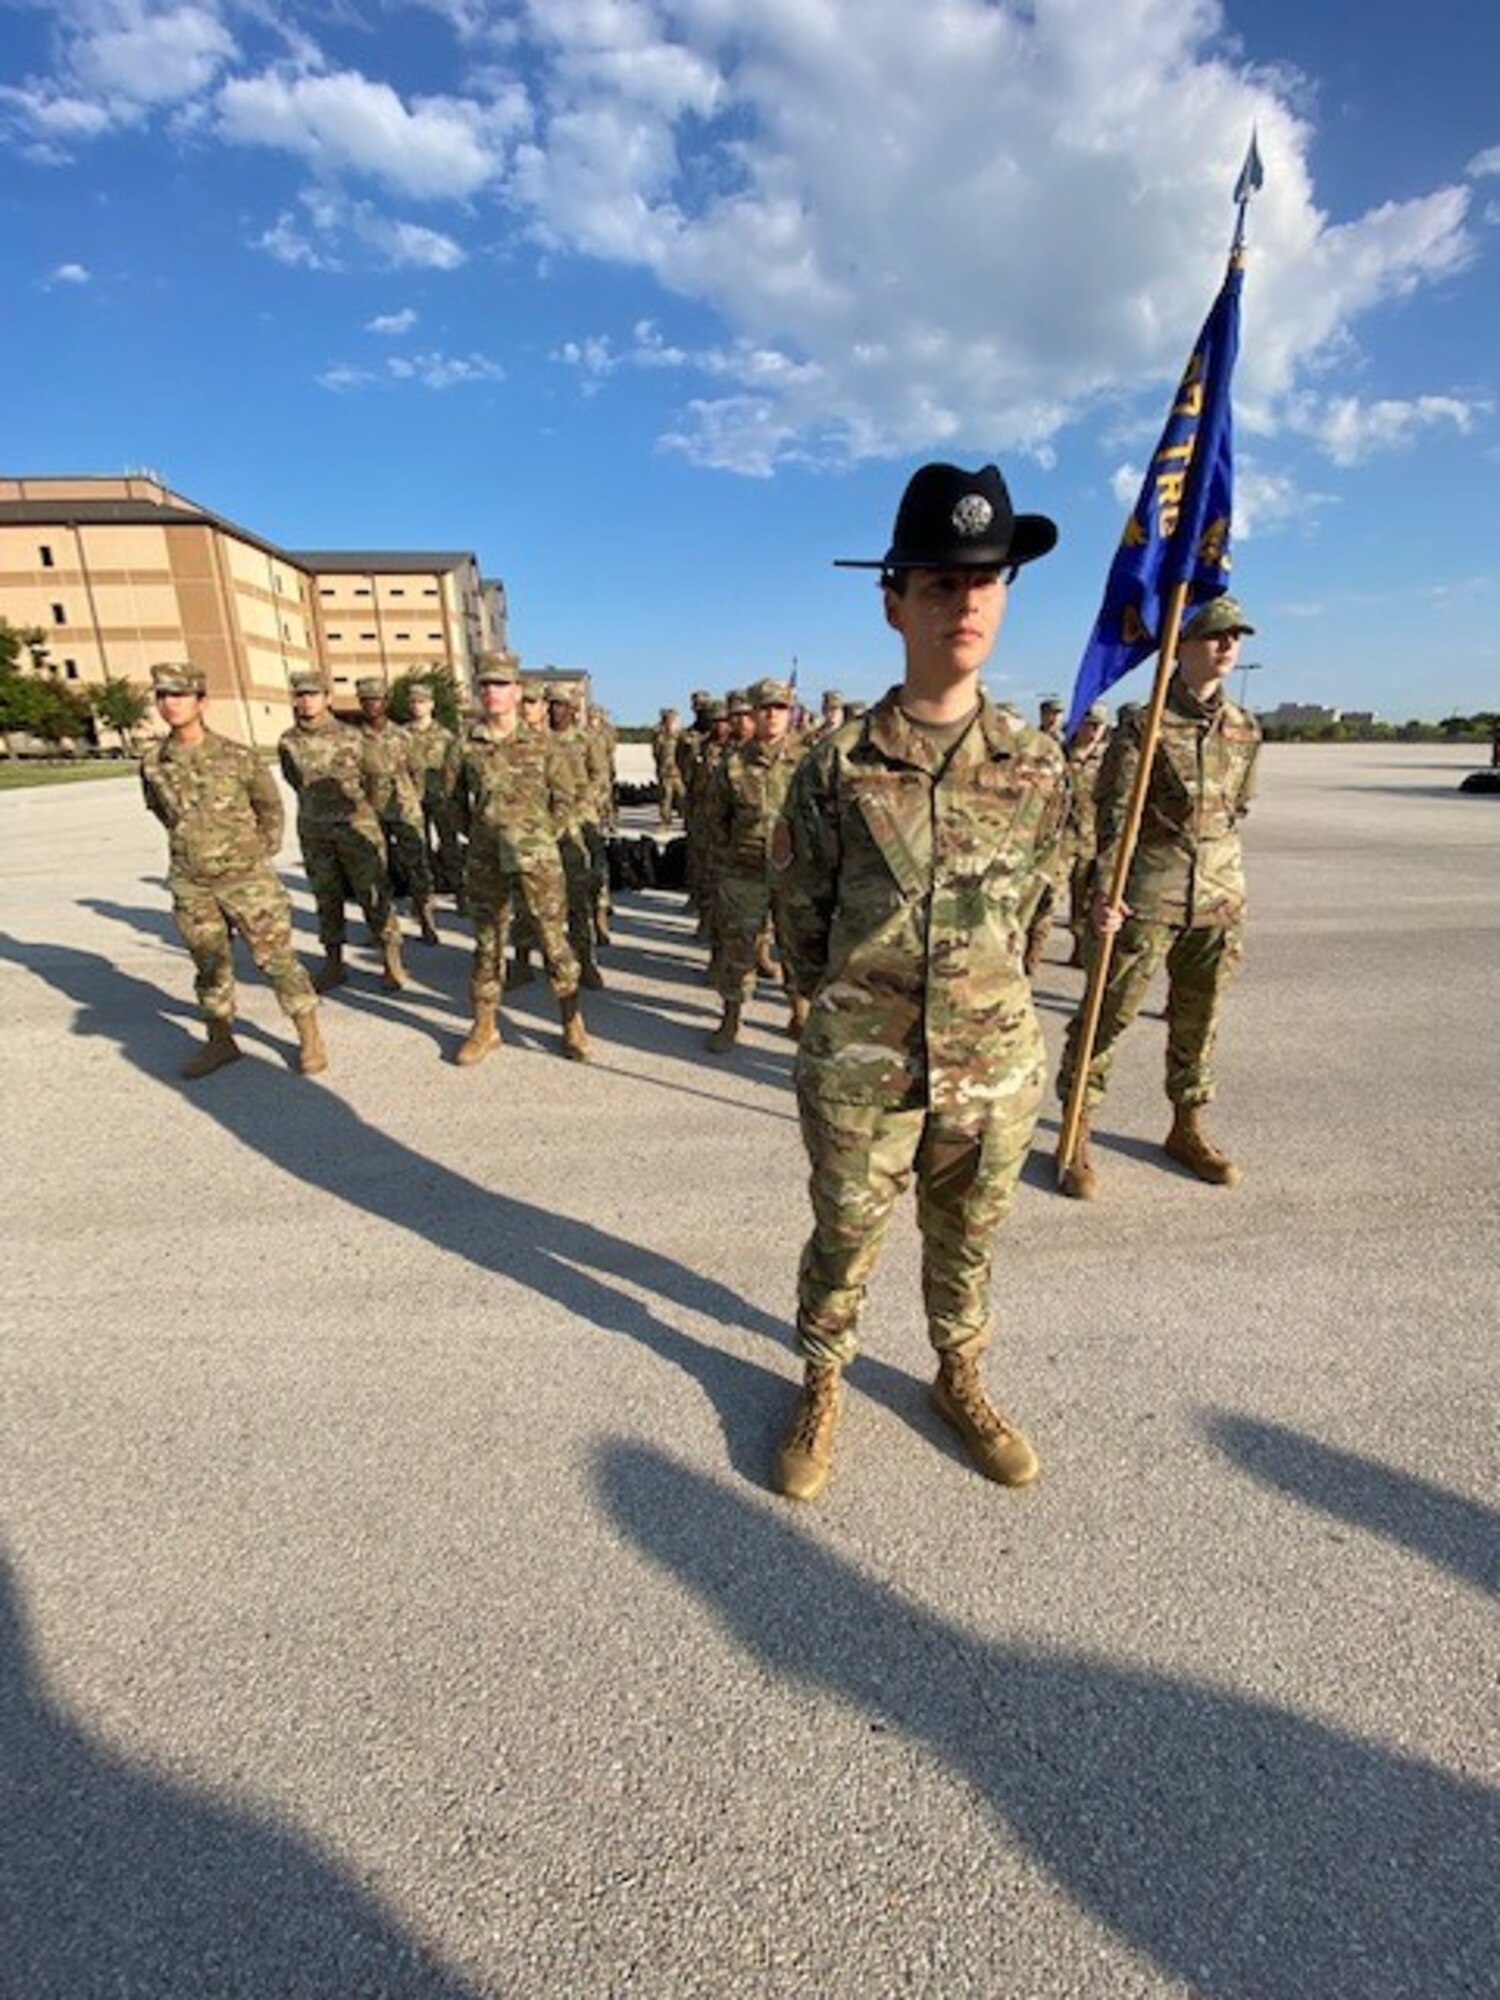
<point x="909" y="858"/>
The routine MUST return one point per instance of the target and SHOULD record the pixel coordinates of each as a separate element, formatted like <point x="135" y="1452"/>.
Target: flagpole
<point x="1104" y="942"/>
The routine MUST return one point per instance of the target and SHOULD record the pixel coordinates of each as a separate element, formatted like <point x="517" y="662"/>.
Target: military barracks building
<point x="120" y="572"/>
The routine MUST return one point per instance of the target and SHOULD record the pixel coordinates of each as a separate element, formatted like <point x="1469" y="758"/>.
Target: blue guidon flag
<point x="1178" y="530"/>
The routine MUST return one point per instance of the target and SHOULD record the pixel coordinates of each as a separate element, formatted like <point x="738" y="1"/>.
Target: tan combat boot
<point x="1079" y="1180"/>
<point x="219" y="1049"/>
<point x="331" y="972"/>
<point x="797" y="1020"/>
<point x="575" y="1034"/>
<point x="312" y="1057"/>
<point x="806" y="1455"/>
<point x="1000" y="1451"/>
<point x="724" y="1037"/>
<point x="1191" y="1147"/>
<point x="519" y="972"/>
<point x="429" y="927"/>
<point x="393" y="972"/>
<point x="481" y="1038"/>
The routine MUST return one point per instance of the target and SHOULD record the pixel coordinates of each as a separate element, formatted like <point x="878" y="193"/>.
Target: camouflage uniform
<point x="1186" y="887"/>
<point x="574" y="805"/>
<point x="599" y="740"/>
<point x="1081" y="836"/>
<point x="395" y="777"/>
<point x="907" y="874"/>
<point x="342" y="851"/>
<point x="700" y="862"/>
<point x="224" y="821"/>
<point x="746" y="792"/>
<point x="434" y="755"/>
<point x="664" y="748"/>
<point x="508" y="799"/>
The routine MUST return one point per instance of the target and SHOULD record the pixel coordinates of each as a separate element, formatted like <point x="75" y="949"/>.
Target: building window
<point x="335" y="636"/>
<point x="46" y="555"/>
<point x="367" y="635"/>
<point x="325" y="590"/>
<point x="403" y="635"/>
<point x="397" y="590"/>
<point x="429" y="590"/>
<point x="70" y="668"/>
<point x="59" y="616"/>
<point x="361" y="590"/>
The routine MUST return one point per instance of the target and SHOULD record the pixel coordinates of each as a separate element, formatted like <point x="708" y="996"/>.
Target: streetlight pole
<point x="1248" y="667"/>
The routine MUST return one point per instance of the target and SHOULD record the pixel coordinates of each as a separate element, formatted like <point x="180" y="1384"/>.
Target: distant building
<point x="119" y="572"/>
<point x="1300" y="715"/>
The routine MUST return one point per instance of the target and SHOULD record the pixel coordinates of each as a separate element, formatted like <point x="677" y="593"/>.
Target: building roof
<point x="130" y="513"/>
<point x="430" y="561"/>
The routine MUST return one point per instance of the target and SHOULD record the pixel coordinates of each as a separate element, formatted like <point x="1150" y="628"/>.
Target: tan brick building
<point x="118" y="572"/>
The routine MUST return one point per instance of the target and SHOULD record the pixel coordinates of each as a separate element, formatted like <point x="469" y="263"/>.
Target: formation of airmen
<point x="893" y="871"/>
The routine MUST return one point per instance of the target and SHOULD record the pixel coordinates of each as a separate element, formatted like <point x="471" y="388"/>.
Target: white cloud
<point x="72" y="274"/>
<point x="345" y="123"/>
<point x="332" y="230"/>
<point x="392" y="323"/>
<point x="1484" y="164"/>
<point x="432" y="370"/>
<point x="1351" y="430"/>
<point x="116" y="61"/>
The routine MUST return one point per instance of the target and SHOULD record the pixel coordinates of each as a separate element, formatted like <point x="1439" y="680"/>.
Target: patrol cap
<point x="953" y="519"/>
<point x="1097" y="711"/>
<point x="700" y="697"/>
<point x="307" y="683"/>
<point x="770" y="694"/>
<point x="1220" y="614"/>
<point x="498" y="668"/>
<point x="714" y="710"/>
<point x="421" y="691"/>
<point x="533" y="688"/>
<point x="667" y="714"/>
<point x="178" y="677"/>
<point x="737" y="702"/>
<point x="371" y="689"/>
<point x="562" y="692"/>
<point x="1051" y="705"/>
<point x="832" y="698"/>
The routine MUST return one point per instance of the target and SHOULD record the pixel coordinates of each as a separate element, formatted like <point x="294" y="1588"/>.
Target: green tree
<point x="31" y="701"/>
<point x="446" y="702"/>
<point x="120" y="705"/>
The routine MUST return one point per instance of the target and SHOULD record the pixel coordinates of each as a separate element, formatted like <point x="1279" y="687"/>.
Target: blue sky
<point x="655" y="304"/>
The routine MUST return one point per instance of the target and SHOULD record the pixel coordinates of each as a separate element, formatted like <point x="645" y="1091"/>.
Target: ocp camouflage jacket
<point x="906" y="878"/>
<point x="510" y="797"/>
<point x="326" y="765"/>
<point x="219" y="804"/>
<point x="1187" y="868"/>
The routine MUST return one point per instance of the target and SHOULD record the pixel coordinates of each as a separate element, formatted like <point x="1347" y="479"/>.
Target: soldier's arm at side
<point x="289" y="767"/>
<point x="156" y="804"/>
<point x="1248" y="782"/>
<point x="806" y="852"/>
<point x="1112" y="792"/>
<point x="265" y="803"/>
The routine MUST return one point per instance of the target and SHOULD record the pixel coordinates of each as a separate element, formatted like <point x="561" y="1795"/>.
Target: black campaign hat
<point x="952" y="519"/>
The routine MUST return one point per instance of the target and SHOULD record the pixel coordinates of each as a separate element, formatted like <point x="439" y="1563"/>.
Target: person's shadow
<point x="113" y="1881"/>
<point x="1254" y="1854"/>
<point x="1460" y="1535"/>
<point x="312" y="1134"/>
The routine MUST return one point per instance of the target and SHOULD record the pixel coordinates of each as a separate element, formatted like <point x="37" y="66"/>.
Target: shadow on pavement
<point x="115" y="1881"/>
<point x="308" y="1131"/>
<point x="1247" y="1850"/>
<point x="1459" y="1535"/>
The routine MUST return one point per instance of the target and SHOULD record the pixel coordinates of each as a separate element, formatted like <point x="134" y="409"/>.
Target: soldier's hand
<point x="1107" y="917"/>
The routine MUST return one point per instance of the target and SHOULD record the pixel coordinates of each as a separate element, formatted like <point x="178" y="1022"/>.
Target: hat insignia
<point x="973" y="515"/>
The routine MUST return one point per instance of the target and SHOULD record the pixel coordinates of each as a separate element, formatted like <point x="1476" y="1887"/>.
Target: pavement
<point x="391" y="1597"/>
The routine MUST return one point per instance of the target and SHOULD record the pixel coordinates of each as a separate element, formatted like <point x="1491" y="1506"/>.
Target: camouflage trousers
<point x="1080" y="895"/>
<point x="598" y="852"/>
<point x="862" y="1157"/>
<point x="407" y="863"/>
<point x="257" y="908"/>
<point x="1201" y="961"/>
<point x="743" y="908"/>
<point x="578" y="883"/>
<point x="669" y="800"/>
<point x="445" y="854"/>
<point x="535" y="893"/>
<point x="341" y="861"/>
